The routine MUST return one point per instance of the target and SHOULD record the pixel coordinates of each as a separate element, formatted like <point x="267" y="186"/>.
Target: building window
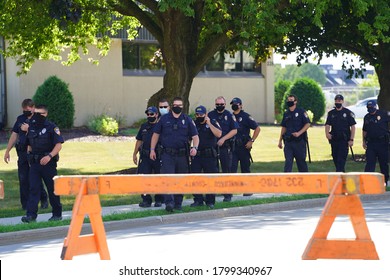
<point x="238" y="62"/>
<point x="146" y="55"/>
<point x="136" y="56"/>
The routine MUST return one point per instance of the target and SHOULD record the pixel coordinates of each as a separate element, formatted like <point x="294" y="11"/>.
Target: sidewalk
<point x="123" y="209"/>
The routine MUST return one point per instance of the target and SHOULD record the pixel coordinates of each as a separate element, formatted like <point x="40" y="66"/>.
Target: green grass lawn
<point x="81" y="158"/>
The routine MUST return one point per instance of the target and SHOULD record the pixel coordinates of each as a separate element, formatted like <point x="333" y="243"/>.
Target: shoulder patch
<point x="57" y="130"/>
<point x="251" y="118"/>
<point x="234" y="118"/>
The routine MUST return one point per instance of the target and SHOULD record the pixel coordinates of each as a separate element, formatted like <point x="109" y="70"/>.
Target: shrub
<point x="54" y="93"/>
<point x="103" y="125"/>
<point x="310" y="97"/>
<point x="280" y="89"/>
<point x="138" y="123"/>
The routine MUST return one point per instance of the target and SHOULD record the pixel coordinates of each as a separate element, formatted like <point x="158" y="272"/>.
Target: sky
<point x="335" y="61"/>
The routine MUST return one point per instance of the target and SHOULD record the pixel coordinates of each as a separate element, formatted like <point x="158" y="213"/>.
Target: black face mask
<point x="371" y="109"/>
<point x="338" y="105"/>
<point x="290" y="103"/>
<point x="39" y="119"/>
<point x="220" y="108"/>
<point x="27" y="113"/>
<point x="151" y="119"/>
<point x="200" y="119"/>
<point x="235" y="107"/>
<point x="177" y="110"/>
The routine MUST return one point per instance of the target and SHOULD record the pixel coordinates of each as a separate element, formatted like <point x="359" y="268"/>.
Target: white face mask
<point x="163" y="111"/>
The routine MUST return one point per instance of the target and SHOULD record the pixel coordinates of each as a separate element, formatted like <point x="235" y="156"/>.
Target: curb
<point x="29" y="236"/>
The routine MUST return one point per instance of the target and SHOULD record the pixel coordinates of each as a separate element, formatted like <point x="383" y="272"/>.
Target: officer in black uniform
<point x="44" y="143"/>
<point x="294" y="126"/>
<point x="340" y="131"/>
<point x="226" y="143"/>
<point x="18" y="139"/>
<point x="174" y="131"/>
<point x="376" y="139"/>
<point x="145" y="164"/>
<point x="206" y="159"/>
<point x="243" y="141"/>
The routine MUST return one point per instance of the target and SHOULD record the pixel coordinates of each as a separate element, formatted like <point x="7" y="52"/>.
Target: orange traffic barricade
<point x="344" y="191"/>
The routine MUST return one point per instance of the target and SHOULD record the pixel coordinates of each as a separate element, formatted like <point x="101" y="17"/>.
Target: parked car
<point x="360" y="108"/>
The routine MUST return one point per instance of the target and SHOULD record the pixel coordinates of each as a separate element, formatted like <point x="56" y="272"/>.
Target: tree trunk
<point x="383" y="72"/>
<point x="179" y="52"/>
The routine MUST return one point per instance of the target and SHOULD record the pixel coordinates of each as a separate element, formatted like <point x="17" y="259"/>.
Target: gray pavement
<point x="61" y="232"/>
<point x="271" y="238"/>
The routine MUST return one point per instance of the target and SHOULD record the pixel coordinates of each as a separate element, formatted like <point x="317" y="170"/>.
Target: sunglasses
<point x="150" y="114"/>
<point x="219" y="104"/>
<point x="163" y="107"/>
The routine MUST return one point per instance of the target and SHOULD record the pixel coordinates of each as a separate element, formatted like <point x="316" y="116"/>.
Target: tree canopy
<point x="189" y="32"/>
<point x="329" y="27"/>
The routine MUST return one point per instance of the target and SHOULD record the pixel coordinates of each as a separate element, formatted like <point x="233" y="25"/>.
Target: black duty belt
<point x="291" y="138"/>
<point x="35" y="158"/>
<point x="207" y="152"/>
<point x="175" y="152"/>
<point x="383" y="138"/>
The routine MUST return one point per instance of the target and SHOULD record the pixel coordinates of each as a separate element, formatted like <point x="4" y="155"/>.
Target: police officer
<point x="18" y="139"/>
<point x="294" y="126"/>
<point x="44" y="143"/>
<point x="174" y="131"/>
<point x="243" y="141"/>
<point x="376" y="139"/>
<point x="206" y="159"/>
<point x="340" y="131"/>
<point x="225" y="143"/>
<point x="146" y="165"/>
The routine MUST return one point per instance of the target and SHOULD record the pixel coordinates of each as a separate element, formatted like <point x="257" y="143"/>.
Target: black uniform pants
<point x="148" y="166"/>
<point x="225" y="159"/>
<point x="24" y="185"/>
<point x="242" y="155"/>
<point x="295" y="149"/>
<point x="173" y="164"/>
<point x="201" y="164"/>
<point x="46" y="173"/>
<point x="378" y="150"/>
<point x="339" y="154"/>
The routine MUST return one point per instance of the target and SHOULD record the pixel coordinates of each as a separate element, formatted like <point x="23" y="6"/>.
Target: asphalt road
<point x="217" y="246"/>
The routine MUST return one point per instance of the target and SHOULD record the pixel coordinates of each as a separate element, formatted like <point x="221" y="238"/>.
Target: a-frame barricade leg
<point x="74" y="243"/>
<point x="319" y="247"/>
